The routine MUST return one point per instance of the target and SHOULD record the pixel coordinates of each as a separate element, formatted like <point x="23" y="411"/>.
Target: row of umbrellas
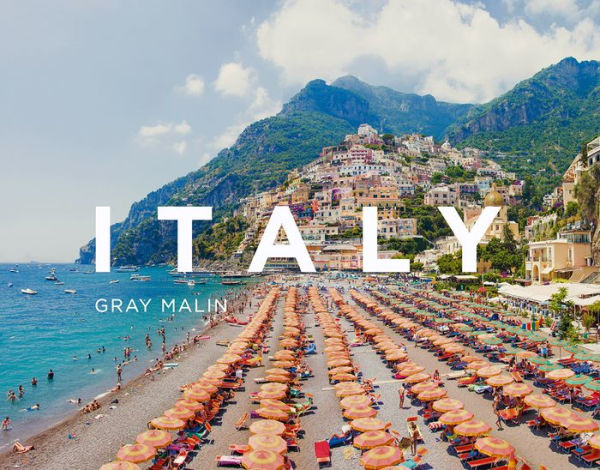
<point x="148" y="442"/>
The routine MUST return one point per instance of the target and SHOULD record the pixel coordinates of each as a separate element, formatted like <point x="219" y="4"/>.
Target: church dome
<point x="493" y="198"/>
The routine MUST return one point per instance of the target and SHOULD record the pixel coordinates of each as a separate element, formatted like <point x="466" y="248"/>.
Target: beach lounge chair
<point x="241" y="423"/>
<point x="228" y="461"/>
<point x="323" y="453"/>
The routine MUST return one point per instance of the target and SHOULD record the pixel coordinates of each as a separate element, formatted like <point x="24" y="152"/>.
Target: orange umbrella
<point x="273" y="413"/>
<point x="355" y="401"/>
<point x="494" y="447"/>
<point x="537" y="400"/>
<point x="578" y="424"/>
<point x="489" y="371"/>
<point x="367" y="424"/>
<point x="472" y="428"/>
<point x="447" y="404"/>
<point x="432" y="395"/>
<point x="499" y="380"/>
<point x="360" y="412"/>
<point x="372" y="439"/>
<point x="119" y="466"/>
<point x="555" y="414"/>
<point x="421" y="387"/>
<point x="560" y="374"/>
<point x="455" y="417"/>
<point x="155" y="438"/>
<point x="196" y="395"/>
<point x="381" y="457"/>
<point x="179" y="413"/>
<point x="261" y="459"/>
<point x="416" y="378"/>
<point x="164" y="422"/>
<point x="268" y="442"/>
<point x="517" y="390"/>
<point x="136" y="453"/>
<point x="190" y="405"/>
<point x="267" y="426"/>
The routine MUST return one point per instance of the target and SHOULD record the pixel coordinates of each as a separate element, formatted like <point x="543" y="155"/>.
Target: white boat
<point x="128" y="269"/>
<point x="28" y="291"/>
<point x="113" y="281"/>
<point x="70" y="291"/>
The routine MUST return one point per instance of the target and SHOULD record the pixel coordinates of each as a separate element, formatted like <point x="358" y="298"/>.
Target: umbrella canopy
<point x="381" y="457"/>
<point x="360" y="412"/>
<point x="537" y="400"/>
<point x="494" y="447"/>
<point x="517" y="390"/>
<point x="372" y="439"/>
<point x="268" y="442"/>
<point x="560" y="374"/>
<point x="499" y="380"/>
<point x="367" y="424"/>
<point x="116" y="465"/>
<point x="473" y="428"/>
<point x="555" y="414"/>
<point x="489" y="371"/>
<point x="136" y="453"/>
<point x="273" y="413"/>
<point x="355" y="401"/>
<point x="455" y="417"/>
<point x="432" y="395"/>
<point x="155" y="438"/>
<point x="267" y="426"/>
<point x="261" y="459"/>
<point x="164" y="422"/>
<point x="447" y="404"/>
<point x="577" y="423"/>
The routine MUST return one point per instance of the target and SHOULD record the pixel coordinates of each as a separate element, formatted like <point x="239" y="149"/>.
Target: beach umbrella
<point x="416" y="378"/>
<point x="179" y="413"/>
<point x="116" y="465"/>
<point x="189" y="404"/>
<point x="555" y="414"/>
<point x="359" y="412"/>
<point x="499" y="380"/>
<point x="268" y="442"/>
<point x="196" y="395"/>
<point x="455" y="417"/>
<point x="136" y="453"/>
<point x="579" y="424"/>
<point x="432" y="395"/>
<point x="494" y="447"/>
<point x="517" y="390"/>
<point x="489" y="371"/>
<point x="381" y="457"/>
<point x="473" y="428"/>
<point x="372" y="439"/>
<point x="594" y="385"/>
<point x="155" y="438"/>
<point x="538" y="400"/>
<point x="421" y="387"/>
<point x="560" y="374"/>
<point x="273" y="413"/>
<point x="367" y="424"/>
<point x="267" y="426"/>
<point x="447" y="404"/>
<point x="594" y="441"/>
<point x="262" y="460"/>
<point x="164" y="422"/>
<point x="578" y="380"/>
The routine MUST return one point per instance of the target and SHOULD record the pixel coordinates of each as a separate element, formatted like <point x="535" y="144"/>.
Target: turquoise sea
<point x="56" y="330"/>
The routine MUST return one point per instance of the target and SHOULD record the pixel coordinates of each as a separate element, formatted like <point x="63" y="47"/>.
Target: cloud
<point x="165" y="133"/>
<point x="459" y="52"/>
<point x="193" y="86"/>
<point x="234" y="79"/>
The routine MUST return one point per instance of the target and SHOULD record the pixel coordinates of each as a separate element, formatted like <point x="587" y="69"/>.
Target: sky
<point x="103" y="101"/>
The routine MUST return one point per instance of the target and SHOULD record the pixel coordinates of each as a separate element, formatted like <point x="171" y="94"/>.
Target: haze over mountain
<point x="555" y="111"/>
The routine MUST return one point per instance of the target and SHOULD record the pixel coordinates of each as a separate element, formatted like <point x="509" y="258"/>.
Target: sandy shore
<point x="97" y="436"/>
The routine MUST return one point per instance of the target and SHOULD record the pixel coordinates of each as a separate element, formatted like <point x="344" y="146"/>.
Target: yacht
<point x="128" y="269"/>
<point x="28" y="291"/>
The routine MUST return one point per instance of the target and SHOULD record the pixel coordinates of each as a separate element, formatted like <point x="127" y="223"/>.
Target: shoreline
<point x="47" y="437"/>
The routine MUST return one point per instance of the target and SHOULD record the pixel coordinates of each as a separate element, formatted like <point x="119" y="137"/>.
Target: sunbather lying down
<point x="20" y="448"/>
